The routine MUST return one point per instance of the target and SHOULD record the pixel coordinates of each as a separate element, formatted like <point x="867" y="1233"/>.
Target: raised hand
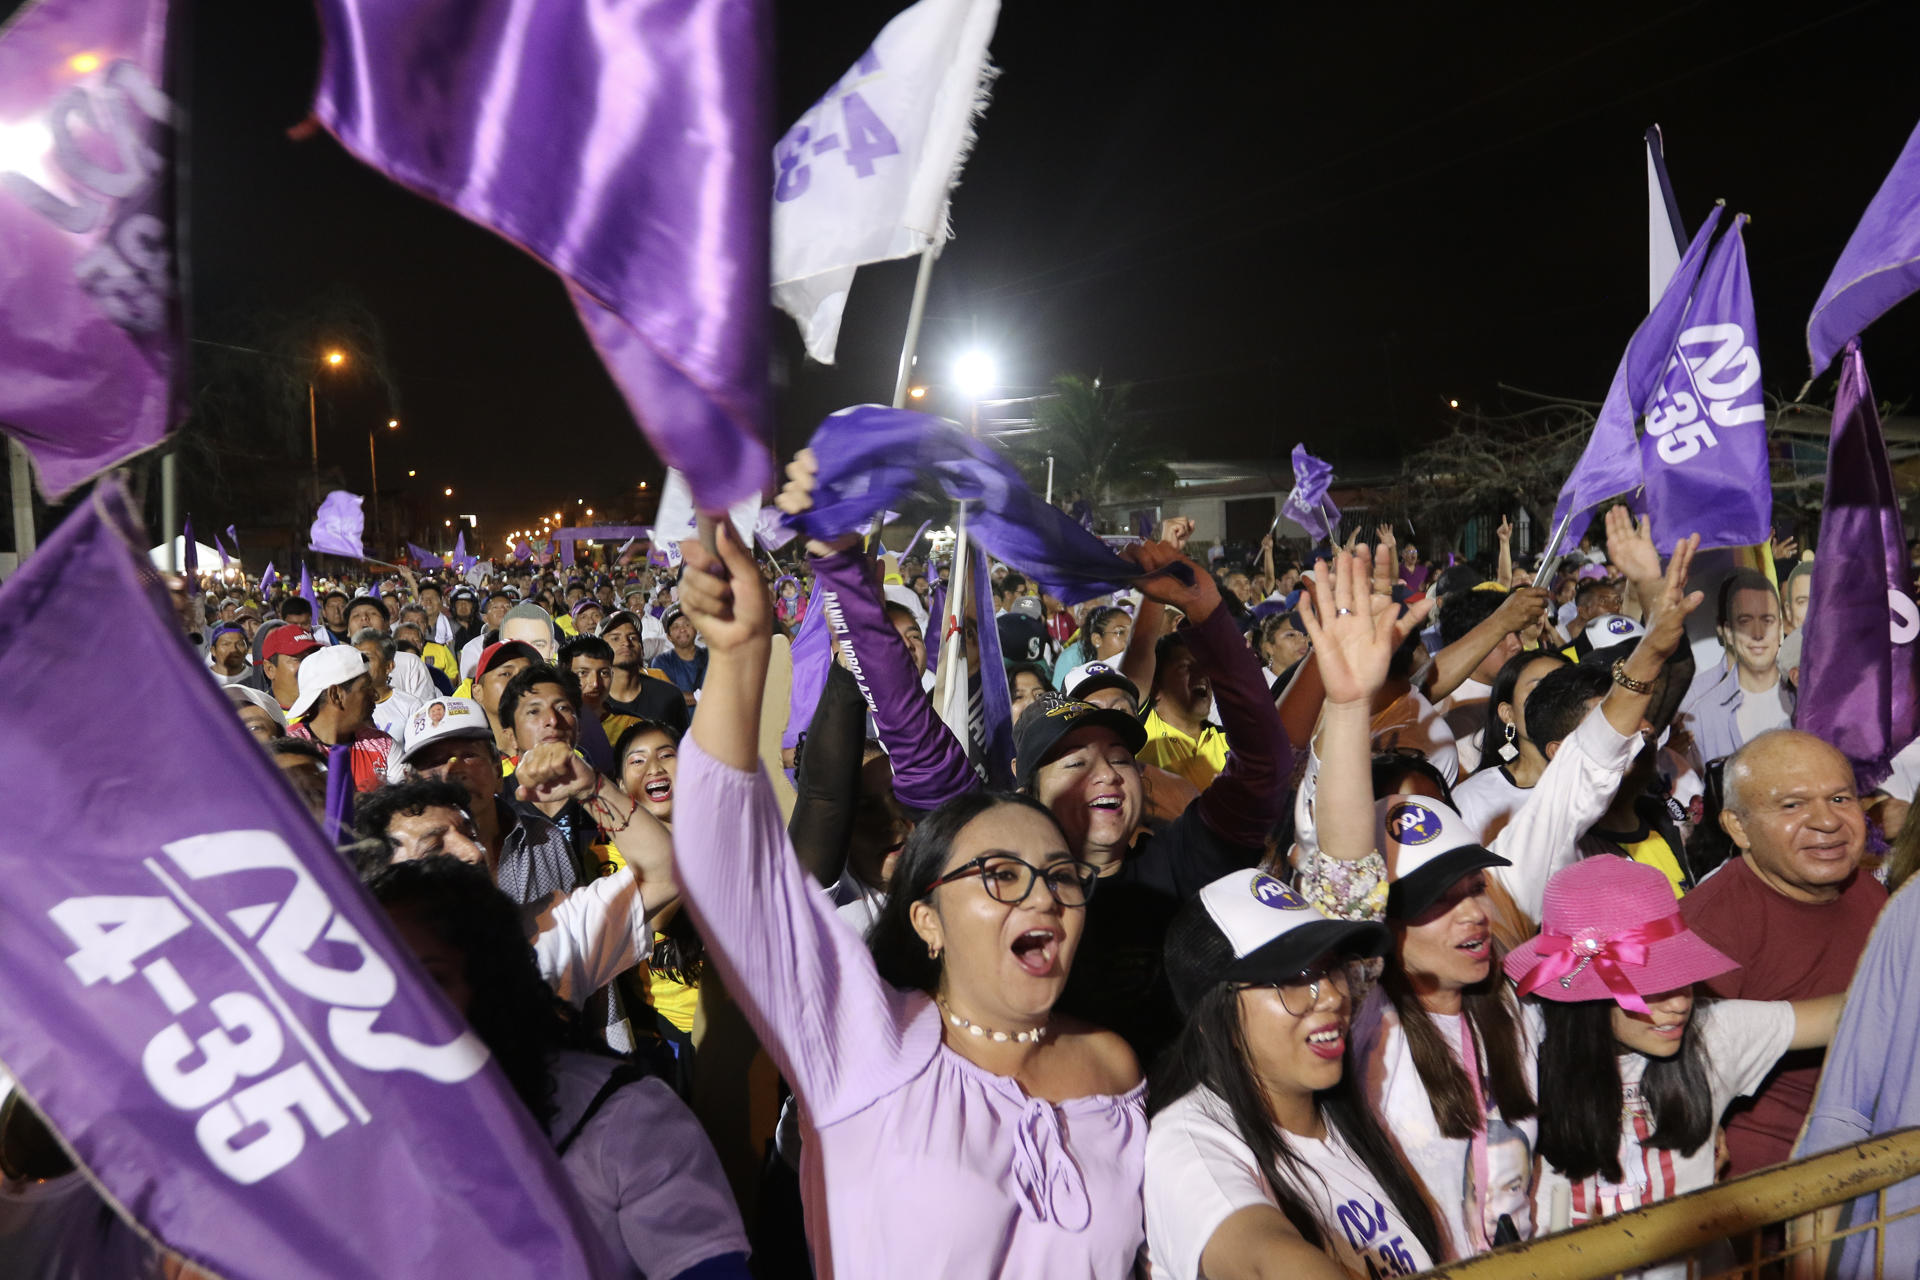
<point x="1524" y="607"/>
<point x="1197" y="601"/>
<point x="1630" y="546"/>
<point x="551" y="771"/>
<point x="724" y="596"/>
<point x="1383" y="535"/>
<point x="796" y="496"/>
<point x="1505" y="531"/>
<point x="1174" y="531"/>
<point x="1667" y="617"/>
<point x="1785" y="549"/>
<point x="1354" y="629"/>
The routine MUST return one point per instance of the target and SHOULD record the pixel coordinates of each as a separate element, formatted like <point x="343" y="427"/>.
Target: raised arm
<point x="1453" y="664"/>
<point x="1137" y="663"/>
<point x="1503" y="567"/>
<point x="551" y="771"/>
<point x="1668" y="605"/>
<point x="1355" y="631"/>
<point x="840" y="1034"/>
<point x="1630" y="546"/>
<point x="829" y="782"/>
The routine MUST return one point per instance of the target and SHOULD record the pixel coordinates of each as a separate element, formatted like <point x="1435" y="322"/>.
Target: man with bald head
<point x="1793" y="908"/>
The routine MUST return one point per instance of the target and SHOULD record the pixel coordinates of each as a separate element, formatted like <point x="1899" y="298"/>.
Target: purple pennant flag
<point x="233" y="540"/>
<point x="1307" y="504"/>
<point x="268" y="578"/>
<point x="189" y="557"/>
<point x="523" y="551"/>
<point x="1857" y="672"/>
<point x="1879" y="267"/>
<point x="1704" y="454"/>
<point x="424" y="558"/>
<point x="211" y="1013"/>
<point x="914" y="541"/>
<point x="1610" y="465"/>
<point x="626" y="149"/>
<point x="313" y="601"/>
<point x="812" y="655"/>
<point x="872" y="458"/>
<point x="461" y="560"/>
<point x="90" y="317"/>
<point x="226" y="561"/>
<point x="338" y="525"/>
<point x="992" y="743"/>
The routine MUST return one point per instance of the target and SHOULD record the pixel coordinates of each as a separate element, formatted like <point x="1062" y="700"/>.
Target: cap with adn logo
<point x="444" y="718"/>
<point x="334" y="664"/>
<point x="1611" y="629"/>
<point x="1249" y="927"/>
<point x="1050" y="717"/>
<point x="1096" y="676"/>
<point x="1428" y="847"/>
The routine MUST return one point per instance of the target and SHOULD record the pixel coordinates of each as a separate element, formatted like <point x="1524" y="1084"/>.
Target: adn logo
<point x="1272" y="893"/>
<point x="1620" y="626"/>
<point x="1412" y="823"/>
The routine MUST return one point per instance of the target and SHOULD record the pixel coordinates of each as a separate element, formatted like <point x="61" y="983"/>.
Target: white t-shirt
<point x="1465" y="710"/>
<point x="1488" y="800"/>
<point x="1440" y="1163"/>
<point x="1904" y="782"/>
<point x="1743" y="1039"/>
<point x="1199" y="1174"/>
<point x="390" y="717"/>
<point x="1759" y="712"/>
<point x="645" y="1170"/>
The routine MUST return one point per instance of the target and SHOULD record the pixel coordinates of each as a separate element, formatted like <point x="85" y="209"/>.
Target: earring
<point x="1508" y="752"/>
<point x="933" y="952"/>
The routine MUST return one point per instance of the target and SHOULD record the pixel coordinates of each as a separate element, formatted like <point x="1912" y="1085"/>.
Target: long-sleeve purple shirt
<point x="916" y="1162"/>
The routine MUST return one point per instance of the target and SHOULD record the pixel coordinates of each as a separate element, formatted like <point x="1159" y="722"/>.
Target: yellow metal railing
<point x="1734" y="1212"/>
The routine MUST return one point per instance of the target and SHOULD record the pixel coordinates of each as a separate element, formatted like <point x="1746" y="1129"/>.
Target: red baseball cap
<point x="287" y="642"/>
<point x="500" y="651"/>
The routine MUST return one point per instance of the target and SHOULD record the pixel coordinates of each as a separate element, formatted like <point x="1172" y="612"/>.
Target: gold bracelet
<point x="1625" y="681"/>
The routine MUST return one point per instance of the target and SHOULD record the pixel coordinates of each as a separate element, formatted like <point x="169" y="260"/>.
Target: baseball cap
<point x="335" y="664"/>
<point x="1591" y="573"/>
<point x="458" y="718"/>
<point x="1428" y="848"/>
<point x="622" y="618"/>
<point x="501" y="650"/>
<point x="585" y="602"/>
<point x="1098" y="676"/>
<point x="1029" y="607"/>
<point x="1249" y="927"/>
<point x="1051" y="717"/>
<point x="287" y="641"/>
<point x="1613" y="628"/>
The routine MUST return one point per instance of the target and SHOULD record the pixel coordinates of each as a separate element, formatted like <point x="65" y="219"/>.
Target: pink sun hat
<point x="1610" y="930"/>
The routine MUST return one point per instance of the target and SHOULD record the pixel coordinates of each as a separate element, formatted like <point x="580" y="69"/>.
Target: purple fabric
<point x="872" y="458"/>
<point x="90" y="322"/>
<point x="233" y="540"/>
<point x="1307" y="503"/>
<point x="1879" y="267"/>
<point x="221" y="547"/>
<point x="929" y="764"/>
<point x="995" y="731"/>
<point x="268" y="578"/>
<point x="190" y="557"/>
<point x="306" y="592"/>
<point x="622" y="143"/>
<point x="338" y="526"/>
<point x="1857" y="671"/>
<point x="461" y="560"/>
<point x="424" y="558"/>
<point x="523" y="551"/>
<point x="1610" y="464"/>
<point x="340" y="789"/>
<point x="812" y="655"/>
<point x="918" y="534"/>
<point x="1704" y="454"/>
<point x="195" y="893"/>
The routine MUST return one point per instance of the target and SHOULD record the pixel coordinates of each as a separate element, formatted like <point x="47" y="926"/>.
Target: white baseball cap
<point x="1610" y="629"/>
<point x="320" y="671"/>
<point x="1248" y="926"/>
<point x="1428" y="847"/>
<point x="457" y="718"/>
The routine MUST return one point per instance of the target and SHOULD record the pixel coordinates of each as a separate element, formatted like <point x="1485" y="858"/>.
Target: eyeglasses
<point x="1300" y="993"/>
<point x="1010" y="880"/>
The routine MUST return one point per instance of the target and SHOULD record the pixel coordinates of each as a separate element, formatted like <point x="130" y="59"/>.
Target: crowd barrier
<point x="1806" y="1195"/>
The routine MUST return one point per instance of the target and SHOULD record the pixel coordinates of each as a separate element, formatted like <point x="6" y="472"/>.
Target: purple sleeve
<point x="929" y="765"/>
<point x="1244" y="802"/>
<point x="840" y="1033"/>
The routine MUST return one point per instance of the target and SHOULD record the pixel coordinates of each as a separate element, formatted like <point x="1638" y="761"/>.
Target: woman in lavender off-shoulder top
<point x="955" y="1126"/>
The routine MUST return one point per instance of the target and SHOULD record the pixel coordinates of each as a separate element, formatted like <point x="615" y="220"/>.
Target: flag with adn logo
<point x="865" y="174"/>
<point x="200" y="998"/>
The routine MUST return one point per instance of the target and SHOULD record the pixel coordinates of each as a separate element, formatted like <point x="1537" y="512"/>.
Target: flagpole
<point x="910" y="348"/>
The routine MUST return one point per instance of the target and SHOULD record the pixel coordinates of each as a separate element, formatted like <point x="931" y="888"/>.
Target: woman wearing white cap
<point x="1447" y="1061"/>
<point x="1640" y="1070"/>
<point x="1263" y="1153"/>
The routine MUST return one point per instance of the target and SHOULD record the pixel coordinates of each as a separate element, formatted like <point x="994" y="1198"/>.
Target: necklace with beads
<point x="999" y="1037"/>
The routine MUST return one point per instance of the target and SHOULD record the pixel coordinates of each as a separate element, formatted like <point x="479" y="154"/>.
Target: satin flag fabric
<point x="1879" y="267"/>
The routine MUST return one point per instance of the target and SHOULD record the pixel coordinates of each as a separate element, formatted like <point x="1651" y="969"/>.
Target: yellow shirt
<point x="1655" y="852"/>
<point x="565" y="623"/>
<point x="674" y="1001"/>
<point x="1170" y="749"/>
<point x="439" y="656"/>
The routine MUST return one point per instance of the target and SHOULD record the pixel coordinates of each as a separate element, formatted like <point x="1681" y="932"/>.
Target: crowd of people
<point x="1347" y="913"/>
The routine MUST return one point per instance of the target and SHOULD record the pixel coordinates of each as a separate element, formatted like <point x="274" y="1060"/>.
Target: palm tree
<point x="1098" y="445"/>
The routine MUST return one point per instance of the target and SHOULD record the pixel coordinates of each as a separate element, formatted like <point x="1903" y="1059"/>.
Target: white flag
<point x="1666" y="241"/>
<point x="864" y="175"/>
<point x="676" y="520"/>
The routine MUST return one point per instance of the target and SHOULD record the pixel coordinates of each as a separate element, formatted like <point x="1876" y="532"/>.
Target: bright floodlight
<point x="974" y="374"/>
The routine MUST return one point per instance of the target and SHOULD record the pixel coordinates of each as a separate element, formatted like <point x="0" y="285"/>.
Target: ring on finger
<point x="1341" y="612"/>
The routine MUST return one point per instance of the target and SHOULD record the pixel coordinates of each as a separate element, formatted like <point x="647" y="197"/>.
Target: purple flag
<point x="872" y="458"/>
<point x="424" y="558"/>
<point x="338" y="525"/>
<point x="1857" y="672"/>
<point x="306" y="593"/>
<point x="1610" y="464"/>
<point x="268" y="578"/>
<point x="225" y="560"/>
<point x="461" y="560"/>
<point x="914" y="541"/>
<point x="1879" y="267"/>
<point x="200" y="998"/>
<point x="89" y="317"/>
<point x="812" y="655"/>
<point x="233" y="540"/>
<point x="189" y="557"/>
<point x="1704" y="454"/>
<point x="624" y="146"/>
<point x="523" y="551"/>
<point x="993" y="734"/>
<point x="1307" y="504"/>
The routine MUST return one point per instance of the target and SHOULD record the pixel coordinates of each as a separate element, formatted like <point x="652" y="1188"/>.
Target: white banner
<point x="864" y="175"/>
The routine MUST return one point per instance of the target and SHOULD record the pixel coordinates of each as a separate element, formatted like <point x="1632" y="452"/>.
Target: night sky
<point x="1307" y="223"/>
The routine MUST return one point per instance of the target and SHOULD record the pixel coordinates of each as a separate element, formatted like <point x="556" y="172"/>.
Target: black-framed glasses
<point x="1008" y="879"/>
<point x="1300" y="993"/>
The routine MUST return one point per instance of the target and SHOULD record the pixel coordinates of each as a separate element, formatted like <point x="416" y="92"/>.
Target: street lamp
<point x="449" y="491"/>
<point x="975" y="374"/>
<point x="918" y="393"/>
<point x="334" y="360"/>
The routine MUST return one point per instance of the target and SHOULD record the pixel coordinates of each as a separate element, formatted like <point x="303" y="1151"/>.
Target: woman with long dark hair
<point x="1640" y="1069"/>
<point x="1263" y="1152"/>
<point x="953" y="1123"/>
<point x="1511" y="762"/>
<point x="1104" y="635"/>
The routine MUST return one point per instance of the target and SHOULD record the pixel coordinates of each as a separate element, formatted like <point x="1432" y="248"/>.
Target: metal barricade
<point x="1780" y="1222"/>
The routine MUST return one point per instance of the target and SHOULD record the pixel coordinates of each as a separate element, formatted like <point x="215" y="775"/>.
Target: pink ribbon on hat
<point x="1563" y="957"/>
